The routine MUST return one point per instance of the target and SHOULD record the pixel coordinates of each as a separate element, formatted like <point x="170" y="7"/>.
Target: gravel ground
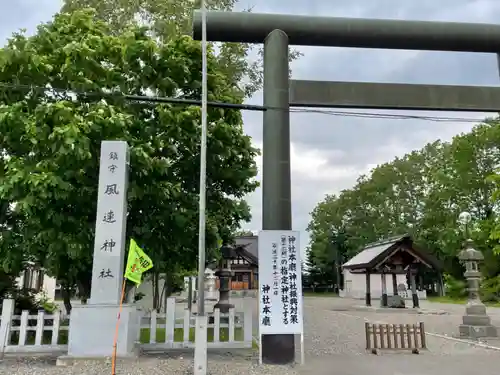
<point x="150" y="365"/>
<point x="338" y="328"/>
<point x="334" y="343"/>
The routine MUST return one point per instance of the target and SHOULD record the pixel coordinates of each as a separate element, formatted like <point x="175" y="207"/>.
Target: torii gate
<point x="277" y="32"/>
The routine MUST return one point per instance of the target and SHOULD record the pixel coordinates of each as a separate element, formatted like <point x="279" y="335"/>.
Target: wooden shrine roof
<point x="375" y="254"/>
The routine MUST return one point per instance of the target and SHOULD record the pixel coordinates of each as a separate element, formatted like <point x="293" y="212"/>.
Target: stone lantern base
<point x="476" y="324"/>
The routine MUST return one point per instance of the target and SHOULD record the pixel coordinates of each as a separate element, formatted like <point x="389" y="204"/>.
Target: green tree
<point x="52" y="137"/>
<point x="331" y="244"/>
<point x="311" y="272"/>
<point x="422" y="193"/>
<point x="170" y="19"/>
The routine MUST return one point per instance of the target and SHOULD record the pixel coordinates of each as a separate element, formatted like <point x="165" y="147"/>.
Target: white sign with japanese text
<point x="109" y="245"/>
<point x="280" y="283"/>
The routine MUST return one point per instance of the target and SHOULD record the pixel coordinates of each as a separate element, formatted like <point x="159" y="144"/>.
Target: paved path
<point x="335" y="342"/>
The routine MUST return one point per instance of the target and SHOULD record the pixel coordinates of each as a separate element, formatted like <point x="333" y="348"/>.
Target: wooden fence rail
<point x="380" y="336"/>
<point x="174" y="329"/>
<point x="171" y="330"/>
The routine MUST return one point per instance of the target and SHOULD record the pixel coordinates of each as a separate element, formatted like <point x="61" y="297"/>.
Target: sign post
<point x="280" y="286"/>
<point x="109" y="243"/>
<point x="92" y="326"/>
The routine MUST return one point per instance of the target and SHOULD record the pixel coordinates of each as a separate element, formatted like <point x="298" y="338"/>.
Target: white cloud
<point x="311" y="164"/>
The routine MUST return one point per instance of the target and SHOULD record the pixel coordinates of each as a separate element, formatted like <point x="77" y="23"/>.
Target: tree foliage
<point x="50" y="139"/>
<point x="169" y="19"/>
<point x="422" y="193"/>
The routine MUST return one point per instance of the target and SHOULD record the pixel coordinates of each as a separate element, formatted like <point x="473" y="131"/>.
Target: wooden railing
<point x="175" y="330"/>
<point x="395" y="337"/>
<point x="32" y="333"/>
<point x="49" y="333"/>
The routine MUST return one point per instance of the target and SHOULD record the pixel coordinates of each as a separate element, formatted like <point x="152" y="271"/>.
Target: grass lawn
<point x="179" y="335"/>
<point x="144" y="336"/>
<point x="320" y="294"/>
<point x="458" y="301"/>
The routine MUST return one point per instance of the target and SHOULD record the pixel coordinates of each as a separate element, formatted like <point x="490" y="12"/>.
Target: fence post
<point x="170" y="321"/>
<point x="216" y="325"/>
<point x="231" y="325"/>
<point x="152" y="327"/>
<point x="368" y="338"/>
<point x="247" y="323"/>
<point x="5" y="322"/>
<point x="187" y="326"/>
<point x="422" y="335"/>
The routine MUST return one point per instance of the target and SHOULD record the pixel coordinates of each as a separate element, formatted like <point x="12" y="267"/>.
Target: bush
<point x="490" y="289"/>
<point x="45" y="303"/>
<point x="7" y="284"/>
<point x="25" y="300"/>
<point x="34" y="302"/>
<point x="455" y="288"/>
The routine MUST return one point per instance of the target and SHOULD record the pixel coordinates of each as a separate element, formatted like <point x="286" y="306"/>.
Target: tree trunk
<point x="66" y="295"/>
<point x="84" y="285"/>
<point x="168" y="287"/>
<point x="156" y="292"/>
<point x="83" y="292"/>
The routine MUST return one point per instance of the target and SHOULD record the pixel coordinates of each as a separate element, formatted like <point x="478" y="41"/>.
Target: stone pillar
<point x="413" y="284"/>
<point x="384" y="289"/>
<point x="475" y="323"/>
<point x="394" y="285"/>
<point x="441" y="291"/>
<point x="276" y="171"/>
<point x="368" y="298"/>
<point x="92" y="326"/>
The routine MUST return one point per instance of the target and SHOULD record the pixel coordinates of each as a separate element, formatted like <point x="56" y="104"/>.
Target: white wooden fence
<point x="167" y="331"/>
<point x="48" y="333"/>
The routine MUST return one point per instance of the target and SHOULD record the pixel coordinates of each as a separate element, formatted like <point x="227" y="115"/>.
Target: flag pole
<point x="203" y="166"/>
<point x="115" y="340"/>
<point x="200" y="348"/>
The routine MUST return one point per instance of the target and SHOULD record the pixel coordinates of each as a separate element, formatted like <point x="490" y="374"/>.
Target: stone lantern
<point x="224" y="273"/>
<point x="475" y="323"/>
<point x="470" y="257"/>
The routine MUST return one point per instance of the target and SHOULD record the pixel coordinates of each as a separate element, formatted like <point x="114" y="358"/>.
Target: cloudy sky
<point x="328" y="152"/>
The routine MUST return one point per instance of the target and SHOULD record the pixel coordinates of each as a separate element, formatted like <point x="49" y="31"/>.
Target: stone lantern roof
<point x="469" y="253"/>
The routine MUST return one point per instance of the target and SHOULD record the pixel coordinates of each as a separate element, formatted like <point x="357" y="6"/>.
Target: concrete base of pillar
<point x="477" y="332"/>
<point x="200" y="349"/>
<point x="384" y="300"/>
<point x="396" y="302"/>
<point x="476" y="320"/>
<point x="92" y="331"/>
<point x="476" y="323"/>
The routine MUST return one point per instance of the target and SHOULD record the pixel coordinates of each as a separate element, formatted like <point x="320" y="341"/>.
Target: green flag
<point x="137" y="263"/>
